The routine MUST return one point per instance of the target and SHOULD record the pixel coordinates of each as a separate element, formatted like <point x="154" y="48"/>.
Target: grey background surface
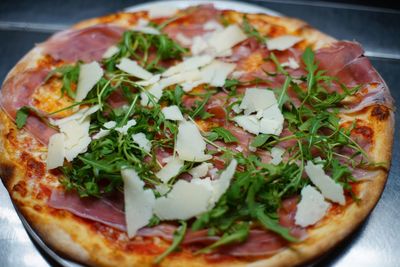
<point x="375" y="24"/>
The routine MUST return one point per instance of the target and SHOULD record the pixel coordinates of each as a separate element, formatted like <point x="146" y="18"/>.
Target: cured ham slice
<point x="17" y="92"/>
<point x="192" y="25"/>
<point x="108" y="211"/>
<point x="345" y="60"/>
<point x="86" y="44"/>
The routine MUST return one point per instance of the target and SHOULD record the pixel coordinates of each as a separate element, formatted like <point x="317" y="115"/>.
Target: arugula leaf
<point x="225" y="135"/>
<point x="274" y="226"/>
<point x="179" y="235"/>
<point x="237" y="234"/>
<point x="22" y="116"/>
<point x="260" y="139"/>
<point x="25" y="111"/>
<point x="70" y="76"/>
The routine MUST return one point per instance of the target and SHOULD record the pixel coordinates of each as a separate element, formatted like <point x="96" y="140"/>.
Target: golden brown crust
<point x="83" y="242"/>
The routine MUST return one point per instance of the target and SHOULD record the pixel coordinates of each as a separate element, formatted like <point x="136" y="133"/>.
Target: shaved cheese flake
<point x="188" y="64"/>
<point x="199" y="45"/>
<point x="190" y="144"/>
<point x="161" y="11"/>
<point x="151" y="81"/>
<point x="201" y="170"/>
<point x="55" y="152"/>
<point x="124" y="129"/>
<point x="283" y="42"/>
<point x="184" y="201"/>
<point x="329" y="188"/>
<point x="77" y="116"/>
<point x="89" y="75"/>
<point x="312" y="207"/>
<point x="227" y="38"/>
<point x="157" y="88"/>
<point x="277" y="153"/>
<point x="183" y="39"/>
<point x="291" y="63"/>
<point x="256" y="99"/>
<point x="163" y="189"/>
<point x="212" y="25"/>
<point x="272" y="120"/>
<point x="172" y="113"/>
<point x="104" y="132"/>
<point x="216" y="73"/>
<point x="142" y="141"/>
<point x="76" y="137"/>
<point x="170" y="170"/>
<point x="188" y="86"/>
<point x="131" y="67"/>
<point x="112" y="50"/>
<point x="139" y="202"/>
<point x="222" y="183"/>
<point x="249" y="123"/>
<point x="110" y="124"/>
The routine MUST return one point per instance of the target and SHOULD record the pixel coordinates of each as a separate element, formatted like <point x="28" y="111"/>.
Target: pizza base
<point x="75" y="239"/>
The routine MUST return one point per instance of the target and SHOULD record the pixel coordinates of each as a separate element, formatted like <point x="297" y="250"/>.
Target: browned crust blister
<point x="78" y="240"/>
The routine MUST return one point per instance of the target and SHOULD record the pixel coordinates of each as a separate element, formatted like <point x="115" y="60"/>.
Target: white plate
<point x="219" y="4"/>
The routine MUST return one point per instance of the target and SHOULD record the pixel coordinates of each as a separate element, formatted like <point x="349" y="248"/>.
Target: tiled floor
<point x="24" y="23"/>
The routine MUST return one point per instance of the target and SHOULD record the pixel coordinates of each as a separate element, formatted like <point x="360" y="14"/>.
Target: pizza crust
<point x="79" y="241"/>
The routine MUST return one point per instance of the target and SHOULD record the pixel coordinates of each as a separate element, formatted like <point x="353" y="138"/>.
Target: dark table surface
<point x="375" y="25"/>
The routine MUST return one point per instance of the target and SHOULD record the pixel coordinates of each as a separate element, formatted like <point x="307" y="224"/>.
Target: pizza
<point x="194" y="137"/>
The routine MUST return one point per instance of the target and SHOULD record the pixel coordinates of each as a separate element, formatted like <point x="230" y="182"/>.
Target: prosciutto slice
<point x="86" y="44"/>
<point x="17" y="92"/>
<point x="191" y="25"/>
<point x="108" y="211"/>
<point x="345" y="60"/>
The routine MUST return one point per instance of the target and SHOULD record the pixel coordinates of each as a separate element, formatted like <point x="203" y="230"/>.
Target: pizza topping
<point x="268" y="120"/>
<point x="190" y="144"/>
<point x="172" y="169"/>
<point x="312" y="207"/>
<point x="106" y="210"/>
<point x="55" y="154"/>
<point x="282" y="42"/>
<point x="142" y="141"/>
<point x="201" y="170"/>
<point x="89" y="75"/>
<point x="184" y="201"/>
<point x="131" y="67"/>
<point x="139" y="202"/>
<point x="85" y="44"/>
<point x="124" y="129"/>
<point x="112" y="50"/>
<point x="189" y="199"/>
<point x="276" y="153"/>
<point x="329" y="188"/>
<point x="172" y="113"/>
<point x="104" y="132"/>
